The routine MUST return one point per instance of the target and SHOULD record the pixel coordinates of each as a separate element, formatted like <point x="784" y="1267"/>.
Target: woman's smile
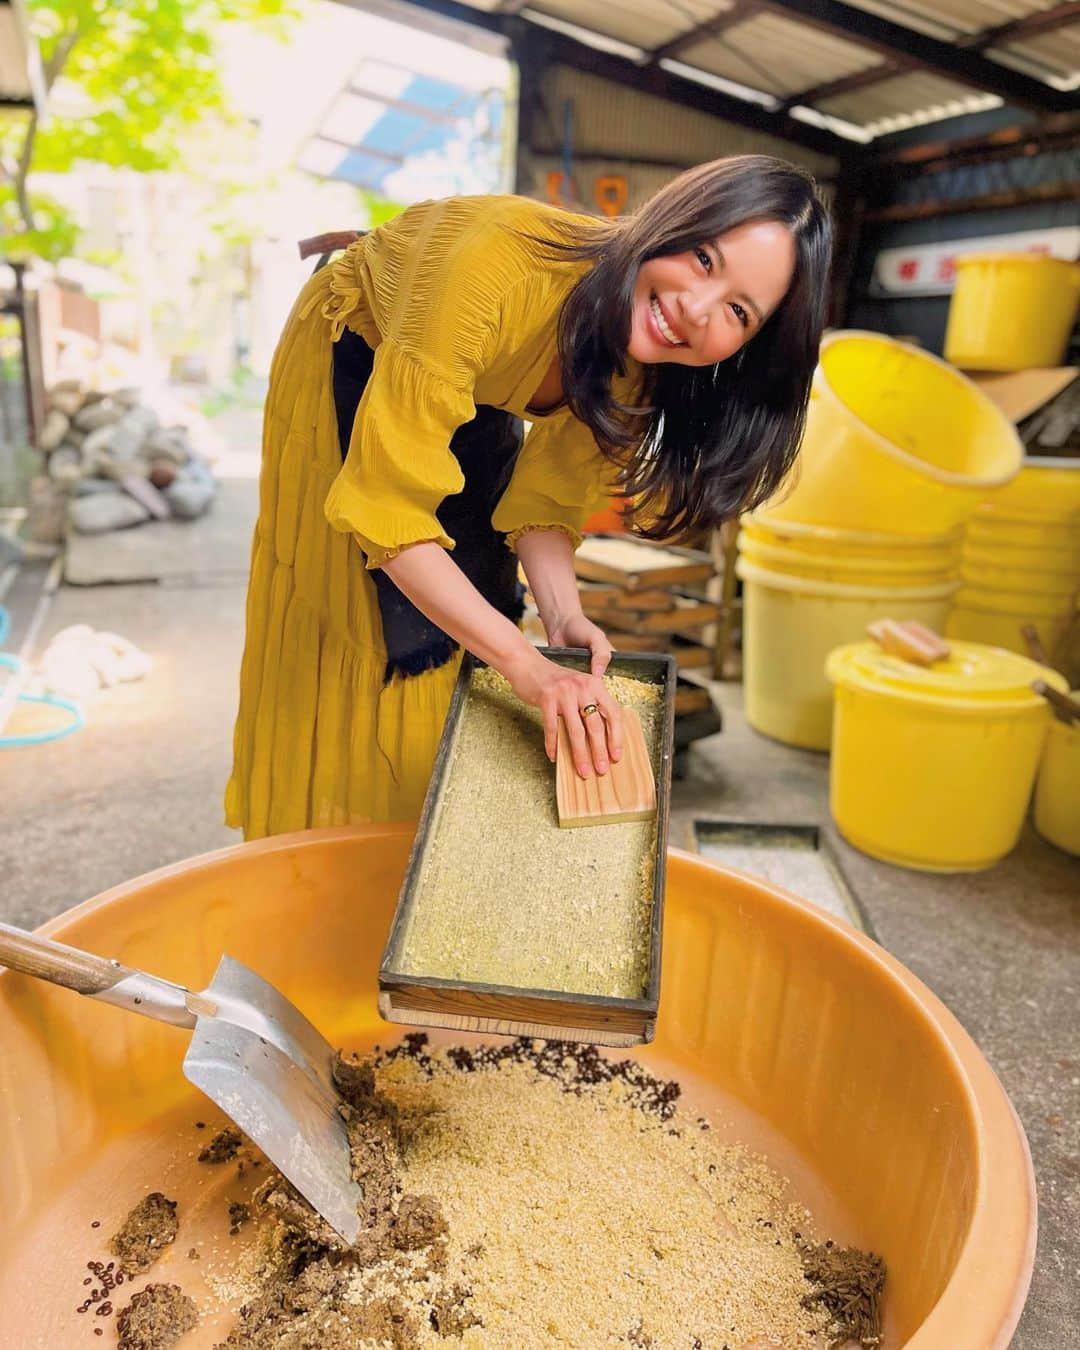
<point x="702" y="305"/>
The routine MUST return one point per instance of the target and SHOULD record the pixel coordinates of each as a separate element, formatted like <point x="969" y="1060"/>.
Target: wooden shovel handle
<point x="52" y="961"/>
<point x="99" y="978"/>
<point x="1030" y="634"/>
<point x="1066" y="708"/>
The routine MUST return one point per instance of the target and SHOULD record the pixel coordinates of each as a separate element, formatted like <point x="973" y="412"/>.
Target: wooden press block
<point x="626" y="792"/>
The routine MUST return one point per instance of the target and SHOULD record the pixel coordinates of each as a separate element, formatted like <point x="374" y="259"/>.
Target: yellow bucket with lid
<point x="1011" y="311"/>
<point x="896" y="441"/>
<point x="791" y="623"/>
<point x="933" y="767"/>
<point x="1057" y="793"/>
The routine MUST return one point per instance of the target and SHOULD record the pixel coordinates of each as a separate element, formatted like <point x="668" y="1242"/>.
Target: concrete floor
<point x="141" y="786"/>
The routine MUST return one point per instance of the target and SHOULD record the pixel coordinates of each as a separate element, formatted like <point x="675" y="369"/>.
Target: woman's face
<point x="700" y="307"/>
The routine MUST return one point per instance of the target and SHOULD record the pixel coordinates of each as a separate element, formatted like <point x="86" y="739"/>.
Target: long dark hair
<point x="709" y="442"/>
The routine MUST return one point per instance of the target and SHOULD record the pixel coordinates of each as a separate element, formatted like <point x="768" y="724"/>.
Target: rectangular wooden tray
<point x="415" y="999"/>
<point x="688" y="565"/>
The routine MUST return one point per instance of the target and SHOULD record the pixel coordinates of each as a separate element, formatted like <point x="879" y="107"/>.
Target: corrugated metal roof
<point x="615" y="120"/>
<point x="906" y="101"/>
<point x="1054" y="57"/>
<point x="647" y="24"/>
<point x="778" y="56"/>
<point x="946" y="18"/>
<point x="775" y="56"/>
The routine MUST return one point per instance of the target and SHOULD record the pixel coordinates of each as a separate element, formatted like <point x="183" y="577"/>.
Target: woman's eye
<point x="741" y="314"/>
<point x="704" y="259"/>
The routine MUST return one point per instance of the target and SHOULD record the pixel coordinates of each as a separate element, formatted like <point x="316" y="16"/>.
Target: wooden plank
<point x="637" y="564"/>
<point x="1019" y="393"/>
<point x="608" y="599"/>
<point x="691" y="698"/>
<point x="637" y="642"/>
<point x="516" y="1013"/>
<point x="687" y="612"/>
<point x="626" y="792"/>
<point x="690" y="655"/>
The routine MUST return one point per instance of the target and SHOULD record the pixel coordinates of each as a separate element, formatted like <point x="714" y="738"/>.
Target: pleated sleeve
<point x="559" y="481"/>
<point x="399" y="467"/>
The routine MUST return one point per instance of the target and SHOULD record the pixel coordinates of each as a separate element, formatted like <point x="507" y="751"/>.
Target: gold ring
<point x="588" y="710"/>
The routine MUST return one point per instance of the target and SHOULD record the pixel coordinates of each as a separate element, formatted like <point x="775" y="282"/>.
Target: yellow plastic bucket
<point x="887" y="573"/>
<point x="1014" y="569"/>
<point x="1045" y="583"/>
<point x="790" y="624"/>
<point x="896" y="441"/>
<point x="1045" y="489"/>
<point x="1011" y="311"/>
<point x="993" y="628"/>
<point x="931" y="550"/>
<point x="932" y="768"/>
<point x="1022" y="604"/>
<point x="1057" y="792"/>
<point x="94" y="1109"/>
<point x="995" y="529"/>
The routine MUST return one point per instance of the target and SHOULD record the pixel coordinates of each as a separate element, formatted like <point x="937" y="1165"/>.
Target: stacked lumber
<point x="650" y="598"/>
<point x="644" y="596"/>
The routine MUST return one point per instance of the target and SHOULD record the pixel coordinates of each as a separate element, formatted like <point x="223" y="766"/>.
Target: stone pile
<point x="117" y="461"/>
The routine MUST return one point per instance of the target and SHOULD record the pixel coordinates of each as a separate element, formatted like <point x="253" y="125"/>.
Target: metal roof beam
<point x="1062" y="129"/>
<point x="650" y="79"/>
<point x="711" y="28"/>
<point x="943" y="58"/>
<point x="848" y="84"/>
<point x="1031" y="25"/>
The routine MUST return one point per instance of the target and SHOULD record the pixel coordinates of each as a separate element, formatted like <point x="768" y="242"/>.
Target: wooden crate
<point x="418" y="999"/>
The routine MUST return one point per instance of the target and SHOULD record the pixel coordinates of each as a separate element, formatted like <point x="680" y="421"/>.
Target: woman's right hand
<point x="596" y="739"/>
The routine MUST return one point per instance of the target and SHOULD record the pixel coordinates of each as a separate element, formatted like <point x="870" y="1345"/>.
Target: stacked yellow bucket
<point x="1021" y="562"/>
<point x="899" y="450"/>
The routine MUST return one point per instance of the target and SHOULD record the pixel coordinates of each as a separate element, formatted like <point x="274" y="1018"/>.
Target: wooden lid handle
<point x="909" y="640"/>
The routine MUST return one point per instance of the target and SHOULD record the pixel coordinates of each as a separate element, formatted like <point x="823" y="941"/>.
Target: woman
<point x="666" y="355"/>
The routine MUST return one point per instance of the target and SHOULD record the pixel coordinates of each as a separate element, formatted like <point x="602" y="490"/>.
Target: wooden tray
<point x="669" y="565"/>
<point x="418" y="999"/>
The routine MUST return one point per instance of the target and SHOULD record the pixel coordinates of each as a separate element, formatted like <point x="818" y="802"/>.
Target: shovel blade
<point x="283" y="1110"/>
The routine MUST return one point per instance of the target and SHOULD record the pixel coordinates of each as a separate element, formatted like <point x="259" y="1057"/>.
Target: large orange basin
<point x="827" y="1054"/>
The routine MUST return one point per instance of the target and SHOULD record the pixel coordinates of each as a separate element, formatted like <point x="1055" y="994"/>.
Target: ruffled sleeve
<point x="399" y="467"/>
<point x="559" y="481"/>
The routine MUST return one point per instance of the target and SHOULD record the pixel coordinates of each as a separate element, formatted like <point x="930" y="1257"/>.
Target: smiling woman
<point x="665" y="356"/>
<point x="729" y="260"/>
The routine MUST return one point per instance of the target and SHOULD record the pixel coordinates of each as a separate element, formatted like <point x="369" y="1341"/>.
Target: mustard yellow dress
<point x="461" y="308"/>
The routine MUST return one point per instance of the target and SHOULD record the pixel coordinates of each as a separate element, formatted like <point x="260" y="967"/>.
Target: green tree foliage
<point x="138" y="76"/>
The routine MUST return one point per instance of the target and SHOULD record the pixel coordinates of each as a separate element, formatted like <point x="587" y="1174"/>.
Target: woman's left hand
<point x="578" y="631"/>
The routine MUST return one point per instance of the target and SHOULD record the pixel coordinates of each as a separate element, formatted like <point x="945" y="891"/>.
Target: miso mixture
<point x="506" y="896"/>
<point x="533" y="1194"/>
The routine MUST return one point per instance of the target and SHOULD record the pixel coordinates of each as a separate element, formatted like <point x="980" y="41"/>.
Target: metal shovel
<point x="252" y="1052"/>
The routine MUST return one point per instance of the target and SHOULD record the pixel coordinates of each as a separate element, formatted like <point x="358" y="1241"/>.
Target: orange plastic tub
<point x="824" y="1052"/>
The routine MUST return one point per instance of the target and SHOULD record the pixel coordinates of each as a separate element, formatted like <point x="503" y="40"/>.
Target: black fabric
<point x="487" y="449"/>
